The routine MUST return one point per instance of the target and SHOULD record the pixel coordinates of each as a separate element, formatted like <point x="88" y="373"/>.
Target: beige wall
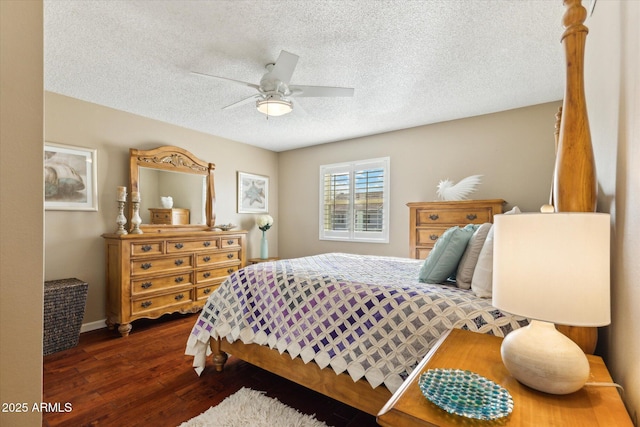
<point x="74" y="247"/>
<point x="612" y="85"/>
<point x="21" y="195"/>
<point x="514" y="150"/>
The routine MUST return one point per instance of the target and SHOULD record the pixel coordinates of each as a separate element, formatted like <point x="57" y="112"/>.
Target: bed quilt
<point x="364" y="315"/>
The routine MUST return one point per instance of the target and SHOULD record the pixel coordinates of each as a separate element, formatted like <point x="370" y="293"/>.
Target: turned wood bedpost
<point x="219" y="356"/>
<point x="574" y="183"/>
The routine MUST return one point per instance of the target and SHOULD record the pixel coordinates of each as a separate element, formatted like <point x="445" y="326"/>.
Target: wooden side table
<point x="480" y="353"/>
<point x="259" y="260"/>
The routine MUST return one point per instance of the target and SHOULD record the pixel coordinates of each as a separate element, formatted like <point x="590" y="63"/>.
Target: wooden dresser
<point x="152" y="274"/>
<point x="175" y="216"/>
<point x="428" y="220"/>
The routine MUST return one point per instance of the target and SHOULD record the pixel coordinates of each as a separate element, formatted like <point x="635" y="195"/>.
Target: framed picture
<point x="253" y="193"/>
<point x="70" y="178"/>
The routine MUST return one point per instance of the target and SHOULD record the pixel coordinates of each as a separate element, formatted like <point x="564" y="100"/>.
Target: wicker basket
<point x="64" y="305"/>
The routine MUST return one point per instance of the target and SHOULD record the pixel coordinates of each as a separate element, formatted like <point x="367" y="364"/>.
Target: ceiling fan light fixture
<point x="274" y="106"/>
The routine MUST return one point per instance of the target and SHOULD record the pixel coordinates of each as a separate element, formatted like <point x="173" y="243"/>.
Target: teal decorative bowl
<point x="466" y="393"/>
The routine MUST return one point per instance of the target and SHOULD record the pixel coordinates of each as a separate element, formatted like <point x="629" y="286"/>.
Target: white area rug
<point x="251" y="408"/>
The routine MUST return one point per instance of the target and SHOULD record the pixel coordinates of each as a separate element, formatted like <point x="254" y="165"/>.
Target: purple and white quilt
<point x="368" y="316"/>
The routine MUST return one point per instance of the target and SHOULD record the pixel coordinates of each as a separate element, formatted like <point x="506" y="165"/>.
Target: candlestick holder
<point x="135" y="218"/>
<point x="121" y="220"/>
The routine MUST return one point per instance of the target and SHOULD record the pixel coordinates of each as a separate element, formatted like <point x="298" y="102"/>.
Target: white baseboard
<point x="92" y="326"/>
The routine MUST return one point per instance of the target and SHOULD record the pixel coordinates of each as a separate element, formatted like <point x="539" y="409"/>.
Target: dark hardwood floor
<point x="147" y="380"/>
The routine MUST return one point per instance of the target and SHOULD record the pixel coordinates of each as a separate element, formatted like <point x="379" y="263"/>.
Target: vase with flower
<point x="264" y="223"/>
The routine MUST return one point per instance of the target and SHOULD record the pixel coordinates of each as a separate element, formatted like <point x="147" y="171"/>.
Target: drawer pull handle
<point x="179" y="279"/>
<point x="471" y="217"/>
<point x="206" y="259"/>
<point x="433" y="237"/>
<point x="179" y="262"/>
<point x="146" y="285"/>
<point x="179" y="246"/>
<point x="230" y="242"/>
<point x="207" y="274"/>
<point x="207" y="291"/>
<point x="146" y="248"/>
<point x="146" y="266"/>
<point x="206" y="244"/>
<point x="230" y="270"/>
<point x="229" y="256"/>
<point x="179" y="297"/>
<point x="145" y="304"/>
<point x="433" y="217"/>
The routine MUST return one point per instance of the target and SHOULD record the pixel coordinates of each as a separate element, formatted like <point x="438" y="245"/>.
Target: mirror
<point x="172" y="171"/>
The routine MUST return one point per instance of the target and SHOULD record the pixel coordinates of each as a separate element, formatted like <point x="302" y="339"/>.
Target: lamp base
<point x="544" y="359"/>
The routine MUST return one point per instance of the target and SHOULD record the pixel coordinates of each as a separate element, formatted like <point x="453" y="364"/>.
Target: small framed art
<point x="253" y="193"/>
<point x="70" y="178"/>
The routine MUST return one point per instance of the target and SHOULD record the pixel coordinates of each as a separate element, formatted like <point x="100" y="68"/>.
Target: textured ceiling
<point x="411" y="62"/>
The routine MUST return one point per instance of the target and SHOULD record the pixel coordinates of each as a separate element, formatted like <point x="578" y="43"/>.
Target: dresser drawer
<point x="453" y="216"/>
<point x="422" y="253"/>
<point x="427" y="236"/>
<point x="203" y="292"/>
<point x="216" y="257"/>
<point x="158" y="283"/>
<point x="160" y="265"/>
<point x="149" y="248"/>
<point x="161" y="301"/>
<point x="181" y="246"/>
<point x="219" y="273"/>
<point x="161" y="217"/>
<point x="230" y="242"/>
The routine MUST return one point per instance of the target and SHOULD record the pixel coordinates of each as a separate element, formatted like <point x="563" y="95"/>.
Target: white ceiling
<point x="411" y="62"/>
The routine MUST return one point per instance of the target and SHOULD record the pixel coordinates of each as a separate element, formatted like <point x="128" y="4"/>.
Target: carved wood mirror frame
<point x="173" y="159"/>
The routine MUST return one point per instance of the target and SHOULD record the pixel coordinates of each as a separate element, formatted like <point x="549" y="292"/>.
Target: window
<point x="354" y="201"/>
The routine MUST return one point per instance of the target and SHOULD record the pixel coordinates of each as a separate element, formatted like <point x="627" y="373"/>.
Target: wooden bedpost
<point x="574" y="183"/>
<point x="219" y="356"/>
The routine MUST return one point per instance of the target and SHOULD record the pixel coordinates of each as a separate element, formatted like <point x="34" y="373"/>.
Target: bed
<point x="352" y="327"/>
<point x="368" y="317"/>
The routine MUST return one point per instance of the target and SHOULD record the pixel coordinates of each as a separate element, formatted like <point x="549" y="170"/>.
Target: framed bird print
<point x="253" y="193"/>
<point x="70" y="178"/>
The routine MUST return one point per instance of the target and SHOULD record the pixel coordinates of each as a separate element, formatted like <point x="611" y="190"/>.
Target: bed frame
<point x="574" y="189"/>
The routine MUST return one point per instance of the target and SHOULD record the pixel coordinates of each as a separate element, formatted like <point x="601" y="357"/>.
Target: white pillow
<point x="482" y="281"/>
<point x="469" y="259"/>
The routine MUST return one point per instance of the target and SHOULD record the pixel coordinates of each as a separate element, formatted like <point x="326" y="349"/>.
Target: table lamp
<point x="552" y="268"/>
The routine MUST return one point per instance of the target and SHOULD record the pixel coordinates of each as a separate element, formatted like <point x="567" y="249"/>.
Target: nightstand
<point x="480" y="353"/>
<point x="259" y="260"/>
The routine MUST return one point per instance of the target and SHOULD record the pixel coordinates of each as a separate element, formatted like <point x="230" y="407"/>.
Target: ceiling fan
<point x="275" y="94"/>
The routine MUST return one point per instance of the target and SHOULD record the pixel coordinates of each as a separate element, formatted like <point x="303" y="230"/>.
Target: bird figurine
<point x="447" y="190"/>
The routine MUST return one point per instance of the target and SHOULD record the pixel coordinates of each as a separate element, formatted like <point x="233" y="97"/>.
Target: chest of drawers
<point x="152" y="274"/>
<point x="174" y="216"/>
<point x="428" y="220"/>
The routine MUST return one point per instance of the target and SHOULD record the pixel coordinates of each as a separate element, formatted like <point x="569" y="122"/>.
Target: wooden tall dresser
<point x="428" y="220"/>
<point x="152" y="274"/>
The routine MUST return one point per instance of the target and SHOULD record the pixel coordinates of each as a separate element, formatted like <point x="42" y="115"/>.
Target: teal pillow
<point x="443" y="259"/>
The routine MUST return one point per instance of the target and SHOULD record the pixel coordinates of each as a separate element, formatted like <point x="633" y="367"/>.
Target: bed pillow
<point x="443" y="259"/>
<point x="470" y="256"/>
<point x="482" y="280"/>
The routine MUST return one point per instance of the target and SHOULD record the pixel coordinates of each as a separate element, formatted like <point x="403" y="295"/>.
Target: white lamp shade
<point x="553" y="267"/>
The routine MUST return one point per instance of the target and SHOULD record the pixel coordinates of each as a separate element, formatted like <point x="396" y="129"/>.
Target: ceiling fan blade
<point x="309" y="91"/>
<point x="284" y="66"/>
<point x="255" y="86"/>
<point x="242" y="102"/>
